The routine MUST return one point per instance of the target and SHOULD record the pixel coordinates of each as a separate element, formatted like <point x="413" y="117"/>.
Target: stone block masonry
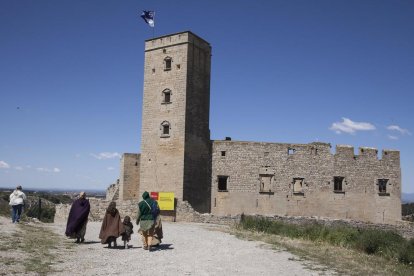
<point x="129" y="177"/>
<point x="305" y="180"/>
<point x="175" y="136"/>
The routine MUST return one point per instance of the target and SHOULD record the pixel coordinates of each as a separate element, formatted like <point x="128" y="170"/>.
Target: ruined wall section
<point x="98" y="209"/>
<point x="129" y="176"/>
<point x="298" y="180"/>
<point x="112" y="192"/>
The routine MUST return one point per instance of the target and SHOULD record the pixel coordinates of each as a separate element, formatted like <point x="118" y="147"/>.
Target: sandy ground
<point x="187" y="249"/>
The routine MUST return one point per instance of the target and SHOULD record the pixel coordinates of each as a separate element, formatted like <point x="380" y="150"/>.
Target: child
<point x="126" y="236"/>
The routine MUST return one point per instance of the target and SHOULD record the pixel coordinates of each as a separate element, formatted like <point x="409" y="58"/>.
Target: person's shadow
<point x="90" y="242"/>
<point x="163" y="246"/>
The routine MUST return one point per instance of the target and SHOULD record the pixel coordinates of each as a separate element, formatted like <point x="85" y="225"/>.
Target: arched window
<point x="166" y="95"/>
<point x="165" y="129"/>
<point x="167" y="63"/>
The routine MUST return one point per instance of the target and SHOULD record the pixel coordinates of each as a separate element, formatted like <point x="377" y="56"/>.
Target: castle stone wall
<point x="112" y="192"/>
<point x="281" y="168"/>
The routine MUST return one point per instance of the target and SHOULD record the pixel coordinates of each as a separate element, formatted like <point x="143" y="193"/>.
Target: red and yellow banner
<point x="165" y="200"/>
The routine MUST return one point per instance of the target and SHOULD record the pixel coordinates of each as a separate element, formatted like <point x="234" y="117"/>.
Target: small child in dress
<point x="126" y="235"/>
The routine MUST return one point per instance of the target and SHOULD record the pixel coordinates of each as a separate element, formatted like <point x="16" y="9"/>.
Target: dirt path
<point x="187" y="249"/>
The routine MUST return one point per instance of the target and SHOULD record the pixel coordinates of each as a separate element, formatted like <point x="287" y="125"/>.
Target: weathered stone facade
<point x="228" y="178"/>
<point x="112" y="192"/>
<point x="129" y="176"/>
<point x="175" y="141"/>
<point x="299" y="180"/>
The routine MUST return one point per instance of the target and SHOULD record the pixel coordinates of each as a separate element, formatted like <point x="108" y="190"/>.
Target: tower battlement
<point x="176" y="39"/>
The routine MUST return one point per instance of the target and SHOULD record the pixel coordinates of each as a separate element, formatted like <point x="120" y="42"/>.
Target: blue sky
<point x="71" y="78"/>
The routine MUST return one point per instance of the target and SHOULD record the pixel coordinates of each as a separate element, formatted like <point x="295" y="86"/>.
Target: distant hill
<point x="407" y="198"/>
<point x="89" y="192"/>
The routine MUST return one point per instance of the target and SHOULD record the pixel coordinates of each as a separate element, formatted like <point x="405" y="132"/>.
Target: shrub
<point x="371" y="241"/>
<point x="406" y="253"/>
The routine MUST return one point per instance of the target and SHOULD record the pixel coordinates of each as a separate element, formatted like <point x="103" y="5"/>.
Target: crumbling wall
<point x="98" y="209"/>
<point x="299" y="181"/>
<point x="112" y="192"/>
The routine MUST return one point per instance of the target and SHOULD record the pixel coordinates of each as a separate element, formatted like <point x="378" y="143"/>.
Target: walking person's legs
<point x="150" y="233"/>
<point x="144" y="238"/>
<point x="14" y="213"/>
<point x="18" y="212"/>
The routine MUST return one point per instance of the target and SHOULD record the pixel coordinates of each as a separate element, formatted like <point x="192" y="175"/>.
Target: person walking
<point x="112" y="226"/>
<point x="126" y="235"/>
<point x="78" y="218"/>
<point x="17" y="199"/>
<point x="145" y="219"/>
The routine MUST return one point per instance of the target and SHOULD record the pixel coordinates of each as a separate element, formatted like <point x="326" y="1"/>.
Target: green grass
<point x="387" y="244"/>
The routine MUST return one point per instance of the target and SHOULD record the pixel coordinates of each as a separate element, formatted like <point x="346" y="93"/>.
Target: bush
<point x="371" y="241"/>
<point x="47" y="214"/>
<point x="406" y="253"/>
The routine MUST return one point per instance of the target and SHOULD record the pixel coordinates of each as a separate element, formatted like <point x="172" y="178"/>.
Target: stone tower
<point x="129" y="177"/>
<point x="175" y="137"/>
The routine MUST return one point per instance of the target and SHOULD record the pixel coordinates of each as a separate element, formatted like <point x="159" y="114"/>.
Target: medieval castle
<point x="233" y="177"/>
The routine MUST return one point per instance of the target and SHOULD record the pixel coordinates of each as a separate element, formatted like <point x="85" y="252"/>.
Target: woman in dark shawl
<point x="112" y="226"/>
<point x="78" y="218"/>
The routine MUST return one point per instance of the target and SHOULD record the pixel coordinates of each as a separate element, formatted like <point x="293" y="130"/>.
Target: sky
<point x="71" y="79"/>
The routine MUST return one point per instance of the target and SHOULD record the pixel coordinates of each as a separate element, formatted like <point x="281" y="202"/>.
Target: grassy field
<point x="349" y="250"/>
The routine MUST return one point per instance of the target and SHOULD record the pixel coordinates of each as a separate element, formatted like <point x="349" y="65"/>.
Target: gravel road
<point x="187" y="249"/>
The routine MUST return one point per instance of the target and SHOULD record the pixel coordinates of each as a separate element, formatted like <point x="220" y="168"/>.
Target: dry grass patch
<point x="342" y="260"/>
<point x="29" y="248"/>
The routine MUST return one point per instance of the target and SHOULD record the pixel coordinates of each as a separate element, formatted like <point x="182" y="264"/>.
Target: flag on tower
<point x="148" y="17"/>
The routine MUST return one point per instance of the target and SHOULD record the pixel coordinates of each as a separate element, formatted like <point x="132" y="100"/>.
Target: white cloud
<point x="106" y="155"/>
<point x="350" y="127"/>
<point x="18" y="168"/>
<point x="392" y="137"/>
<point x="402" y="131"/>
<point x="56" y="170"/>
<point x="110" y="168"/>
<point x="4" y="165"/>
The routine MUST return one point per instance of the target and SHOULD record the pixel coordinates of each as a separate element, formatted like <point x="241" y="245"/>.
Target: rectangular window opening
<point x="291" y="151"/>
<point x="223" y="153"/>
<point x="298" y="185"/>
<point x="222" y="183"/>
<point x="338" y="183"/>
<point x="382" y="186"/>
<point x="167" y="64"/>
<point x="166" y="130"/>
<point x="266" y="183"/>
<point x="167" y="97"/>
